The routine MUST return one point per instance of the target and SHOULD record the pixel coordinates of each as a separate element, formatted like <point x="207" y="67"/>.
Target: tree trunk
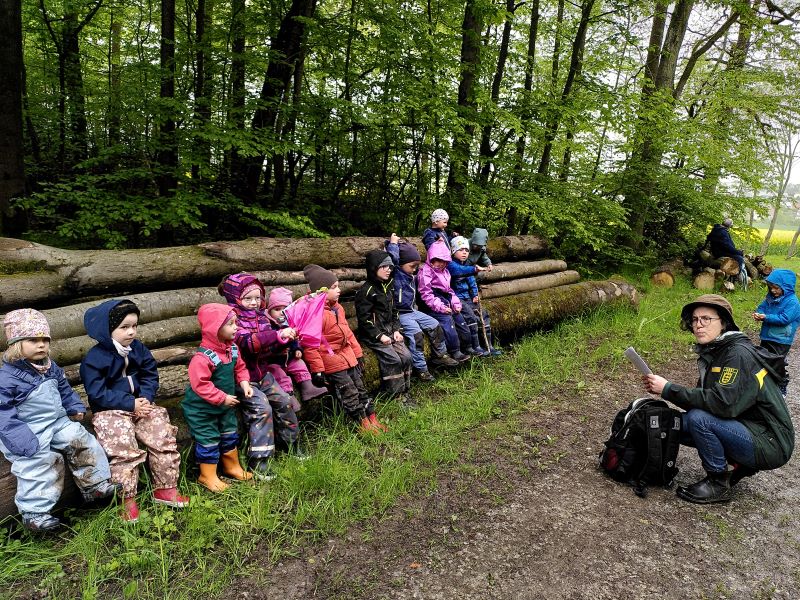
<point x="203" y="89"/>
<point x="236" y="110"/>
<point x="528" y="284"/>
<point x="167" y="154"/>
<point x="12" y="153"/>
<point x="114" y="106"/>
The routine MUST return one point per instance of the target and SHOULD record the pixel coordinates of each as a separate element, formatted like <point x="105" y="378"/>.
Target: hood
<point x="480" y="237"/>
<point x="95" y="320"/>
<point x="439" y="250"/>
<point x="232" y="287"/>
<point x="374" y="260"/>
<point x="784" y="278"/>
<point x="211" y="318"/>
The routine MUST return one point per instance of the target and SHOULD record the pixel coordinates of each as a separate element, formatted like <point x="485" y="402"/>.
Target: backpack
<point x="643" y="446"/>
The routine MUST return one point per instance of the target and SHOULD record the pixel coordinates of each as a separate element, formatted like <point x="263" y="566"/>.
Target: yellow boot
<point x="208" y="478"/>
<point x="232" y="468"/>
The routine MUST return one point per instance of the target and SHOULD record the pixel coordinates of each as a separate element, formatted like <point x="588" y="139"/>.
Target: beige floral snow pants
<point x="120" y="432"/>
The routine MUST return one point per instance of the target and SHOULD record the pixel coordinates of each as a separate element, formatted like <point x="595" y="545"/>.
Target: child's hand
<point x="758" y="316"/>
<point x="289" y="333"/>
<point x="393" y="239"/>
<point x="398" y="337"/>
<point x="298" y="354"/>
<point x="448" y="311"/>
<point x="385" y="340"/>
<point x="489" y="267"/>
<point x="76" y="417"/>
<point x="478" y="268"/>
<point x="476" y="300"/>
<point x="247" y="389"/>
<point x="141" y="407"/>
<point x="457" y="310"/>
<point x="231" y="401"/>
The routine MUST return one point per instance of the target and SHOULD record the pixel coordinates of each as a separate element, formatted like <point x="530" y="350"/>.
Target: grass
<point x="196" y="552"/>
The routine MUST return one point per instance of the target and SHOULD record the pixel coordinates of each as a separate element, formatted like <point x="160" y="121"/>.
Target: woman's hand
<point x="654" y="383"/>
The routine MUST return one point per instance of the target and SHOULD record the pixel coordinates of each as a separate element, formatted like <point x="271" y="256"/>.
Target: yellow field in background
<point x="779" y="236"/>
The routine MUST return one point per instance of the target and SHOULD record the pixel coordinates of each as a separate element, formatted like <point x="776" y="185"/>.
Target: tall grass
<point x="196" y="552"/>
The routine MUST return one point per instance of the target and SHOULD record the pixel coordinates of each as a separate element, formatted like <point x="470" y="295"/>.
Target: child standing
<point x="379" y="327"/>
<point x="466" y="288"/>
<point x="477" y="249"/>
<point x="440" y="301"/>
<point x="438" y="228"/>
<point x="121" y="379"/>
<point x="210" y="400"/>
<point x="415" y="324"/>
<point x="39" y="429"/>
<point x="273" y="409"/>
<point x="341" y="360"/>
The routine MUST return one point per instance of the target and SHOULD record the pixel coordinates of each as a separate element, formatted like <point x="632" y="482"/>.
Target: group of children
<point x="248" y="364"/>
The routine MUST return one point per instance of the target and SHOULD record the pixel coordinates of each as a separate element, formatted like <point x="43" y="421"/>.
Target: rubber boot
<point x="716" y="487"/>
<point x="308" y="390"/>
<point x="740" y="472"/>
<point x="232" y="468"/>
<point x="440" y="358"/>
<point x="373" y="418"/>
<point x="368" y="427"/>
<point x="208" y="478"/>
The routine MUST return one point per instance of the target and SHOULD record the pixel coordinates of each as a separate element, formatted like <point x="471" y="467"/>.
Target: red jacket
<point x="342" y="350"/>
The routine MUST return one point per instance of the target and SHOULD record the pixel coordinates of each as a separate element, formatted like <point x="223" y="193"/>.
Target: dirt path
<point x="530" y="517"/>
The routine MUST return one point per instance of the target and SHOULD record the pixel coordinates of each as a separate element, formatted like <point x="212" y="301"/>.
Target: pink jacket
<point x="434" y="284"/>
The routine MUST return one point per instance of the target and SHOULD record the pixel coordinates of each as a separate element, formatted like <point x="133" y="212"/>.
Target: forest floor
<point x="529" y="516"/>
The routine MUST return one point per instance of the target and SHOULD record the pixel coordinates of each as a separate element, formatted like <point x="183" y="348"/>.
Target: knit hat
<point x="715" y="301"/>
<point x="479" y="237"/>
<point x="386" y="262"/>
<point x="318" y="278"/>
<point x="24" y="324"/>
<point x="117" y="314"/>
<point x="408" y="253"/>
<point x="233" y="287"/>
<point x="249" y="288"/>
<point x="459" y="243"/>
<point x="727" y="223"/>
<point x="439" y="214"/>
<point x="279" y="298"/>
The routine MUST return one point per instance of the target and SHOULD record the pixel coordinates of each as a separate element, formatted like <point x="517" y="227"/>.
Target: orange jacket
<point x="342" y="350"/>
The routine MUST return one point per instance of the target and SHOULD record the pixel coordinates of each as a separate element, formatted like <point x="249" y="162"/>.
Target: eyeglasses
<point x="703" y="320"/>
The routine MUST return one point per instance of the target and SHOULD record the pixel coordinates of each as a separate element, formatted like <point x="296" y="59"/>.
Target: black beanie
<point x="117" y="314"/>
<point x="408" y="253"/>
<point x="318" y="278"/>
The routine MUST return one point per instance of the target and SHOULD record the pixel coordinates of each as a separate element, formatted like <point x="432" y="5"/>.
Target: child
<point x="779" y="314"/>
<point x="379" y="327"/>
<point x="287" y="364"/>
<point x="341" y="360"/>
<point x="414" y="323"/>
<point x="210" y="401"/>
<point x="438" y="228"/>
<point x="440" y="301"/>
<point x="121" y="380"/>
<point x="38" y="425"/>
<point x="477" y="249"/>
<point x="466" y="288"/>
<point x="258" y="341"/>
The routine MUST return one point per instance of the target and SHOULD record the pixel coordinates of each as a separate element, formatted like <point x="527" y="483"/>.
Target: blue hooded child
<point x="781" y="309"/>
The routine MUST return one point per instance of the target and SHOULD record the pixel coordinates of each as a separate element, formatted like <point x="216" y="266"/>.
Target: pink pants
<point x="295" y="371"/>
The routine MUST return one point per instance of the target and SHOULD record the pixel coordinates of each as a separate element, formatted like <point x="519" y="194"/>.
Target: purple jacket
<point x="434" y="285"/>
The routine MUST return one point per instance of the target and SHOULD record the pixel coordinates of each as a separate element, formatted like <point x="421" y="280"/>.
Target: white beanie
<point x="459" y="243"/>
<point x="439" y="214"/>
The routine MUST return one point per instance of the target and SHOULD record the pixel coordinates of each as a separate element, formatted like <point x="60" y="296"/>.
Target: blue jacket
<point x="17" y="381"/>
<point x="109" y="385"/>
<point x="719" y="238"/>
<point x="782" y="314"/>
<point x="405" y="288"/>
<point x="463" y="279"/>
<point x="430" y="235"/>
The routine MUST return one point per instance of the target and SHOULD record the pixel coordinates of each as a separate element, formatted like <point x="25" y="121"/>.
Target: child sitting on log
<point x="438" y="228"/>
<point x="477" y="249"/>
<point x="440" y="301"/>
<point x="39" y="431"/>
<point x="121" y="379"/>
<point x="209" y="404"/>
<point x="379" y="327"/>
<point x="286" y="362"/>
<point x="257" y="341"/>
<point x="415" y="324"/>
<point x="339" y="361"/>
<point x="463" y="281"/>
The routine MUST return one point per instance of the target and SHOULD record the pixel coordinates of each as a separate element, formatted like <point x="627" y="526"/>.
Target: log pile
<point x="523" y="291"/>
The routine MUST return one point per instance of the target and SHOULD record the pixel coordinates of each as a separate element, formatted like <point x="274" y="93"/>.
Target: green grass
<point x="348" y="478"/>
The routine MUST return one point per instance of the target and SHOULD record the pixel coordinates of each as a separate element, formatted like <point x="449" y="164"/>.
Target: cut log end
<point x="663" y="279"/>
<point x="704" y="281"/>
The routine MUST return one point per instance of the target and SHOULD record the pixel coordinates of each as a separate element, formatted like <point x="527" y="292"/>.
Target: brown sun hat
<point x="720" y="303"/>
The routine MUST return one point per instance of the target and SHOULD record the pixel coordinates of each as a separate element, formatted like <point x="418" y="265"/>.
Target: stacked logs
<point x="523" y="291"/>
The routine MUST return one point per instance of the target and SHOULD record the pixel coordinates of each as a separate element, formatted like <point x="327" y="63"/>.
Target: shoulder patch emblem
<point x="728" y="375"/>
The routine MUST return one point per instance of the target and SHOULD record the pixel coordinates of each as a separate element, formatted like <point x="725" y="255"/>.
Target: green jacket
<point x="736" y="384"/>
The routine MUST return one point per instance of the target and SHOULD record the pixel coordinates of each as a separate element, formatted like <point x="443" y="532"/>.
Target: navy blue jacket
<point x="17" y="381"/>
<point x="405" y="288"/>
<point x="430" y="235"/>
<point x="719" y="238"/>
<point x="463" y="279"/>
<point x="109" y="385"/>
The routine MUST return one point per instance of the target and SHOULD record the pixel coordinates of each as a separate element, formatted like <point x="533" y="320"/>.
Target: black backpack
<point x="643" y="446"/>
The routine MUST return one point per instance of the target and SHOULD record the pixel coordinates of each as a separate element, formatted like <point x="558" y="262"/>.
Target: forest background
<point x="619" y="129"/>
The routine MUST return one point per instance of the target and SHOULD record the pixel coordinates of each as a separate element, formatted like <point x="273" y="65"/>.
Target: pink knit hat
<point x="25" y="323"/>
<point x="279" y="298"/>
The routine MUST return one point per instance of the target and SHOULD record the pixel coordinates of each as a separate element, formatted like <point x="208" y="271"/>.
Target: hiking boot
<point x="130" y="510"/>
<point x="262" y="469"/>
<point x="104" y="489"/>
<point x="426" y="377"/>
<point x="495" y="352"/>
<point x="715" y="487"/>
<point x="170" y="497"/>
<point x="459" y="357"/>
<point x="478" y="351"/>
<point x="373" y="418"/>
<point x="740" y="472"/>
<point x="40" y="522"/>
<point x="443" y="361"/>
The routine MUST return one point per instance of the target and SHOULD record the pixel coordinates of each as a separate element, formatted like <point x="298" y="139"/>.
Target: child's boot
<point x="373" y="418"/>
<point x="232" y="468"/>
<point x="170" y="497"/>
<point x="426" y="376"/>
<point x="209" y="479"/>
<point x="261" y="468"/>
<point x="130" y="510"/>
<point x="308" y="390"/>
<point x="40" y="522"/>
<point x="104" y="489"/>
<point x="367" y="426"/>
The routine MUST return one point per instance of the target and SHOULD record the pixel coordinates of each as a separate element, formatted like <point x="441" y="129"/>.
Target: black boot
<point x="739" y="472"/>
<point x="716" y="487"/>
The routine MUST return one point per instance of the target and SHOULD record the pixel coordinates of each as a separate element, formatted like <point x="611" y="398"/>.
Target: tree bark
<point x="12" y="168"/>
<point x="528" y="284"/>
<point x="167" y="154"/>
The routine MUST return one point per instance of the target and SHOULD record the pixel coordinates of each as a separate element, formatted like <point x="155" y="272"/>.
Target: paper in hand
<point x="637" y="361"/>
